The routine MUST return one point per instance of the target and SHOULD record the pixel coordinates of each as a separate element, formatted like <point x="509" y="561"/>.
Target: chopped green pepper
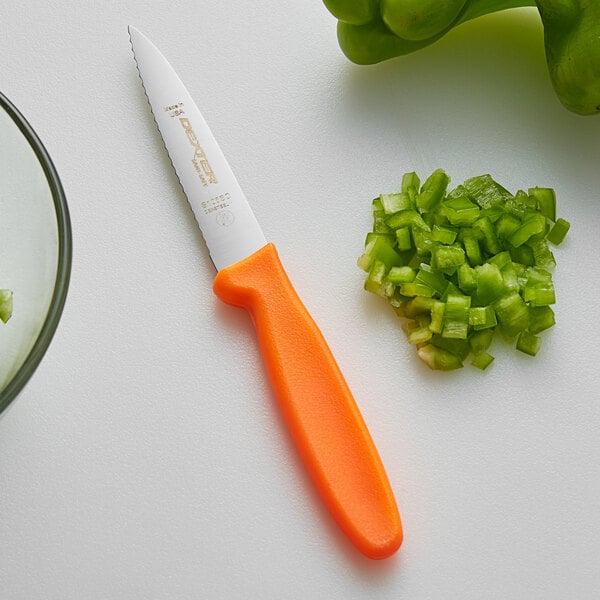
<point x="482" y="360"/>
<point x="483" y="266"/>
<point x="559" y="231"/>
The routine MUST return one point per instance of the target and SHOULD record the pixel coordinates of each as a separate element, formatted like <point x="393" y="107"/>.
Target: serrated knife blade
<point x="321" y="414"/>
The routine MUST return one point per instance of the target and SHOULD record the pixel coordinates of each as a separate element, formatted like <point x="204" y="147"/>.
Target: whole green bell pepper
<point x="371" y="31"/>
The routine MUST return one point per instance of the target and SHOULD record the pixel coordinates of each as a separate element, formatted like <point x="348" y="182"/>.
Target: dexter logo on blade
<point x="200" y="162"/>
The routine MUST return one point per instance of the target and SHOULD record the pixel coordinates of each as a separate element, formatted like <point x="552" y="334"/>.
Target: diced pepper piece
<point x="410" y="181"/>
<point x="522" y="255"/>
<point x="537" y="276"/>
<point x="482" y="360"/>
<point x="542" y="255"/>
<point x="419" y="305"/>
<point x="461" y="211"/>
<point x="403" y="238"/>
<point x="501" y="260"/>
<point x="539" y="295"/>
<point x="379" y="225"/>
<point x="546" y="201"/>
<point x="521" y="271"/>
<point x="389" y="237"/>
<point x="482" y="317"/>
<point x="481" y="340"/>
<point x="407" y="218"/>
<point x="493" y="213"/>
<point x="410" y="324"/>
<point x="438" y="358"/>
<point x="429" y="276"/>
<point x="455" y="346"/>
<point x="437" y="316"/>
<point x="377" y="283"/>
<point x="393" y="203"/>
<point x="376" y="204"/>
<point x="414" y="288"/>
<point x="467" y="280"/>
<point x="424" y="242"/>
<point x="455" y="329"/>
<point x="558" y="232"/>
<point x="529" y="343"/>
<point x="444" y="235"/>
<point x="469" y="232"/>
<point x="516" y="209"/>
<point x="540" y="319"/>
<point x="510" y="277"/>
<point x="378" y="272"/>
<point x="420" y="335"/>
<point x="447" y="257"/>
<point x="457" y="307"/>
<point x="526" y="201"/>
<point x="486" y="192"/>
<point x="450" y="290"/>
<point x="460" y="191"/>
<point x="512" y="314"/>
<point x="473" y="250"/>
<point x="533" y="226"/>
<point x="398" y="275"/>
<point x="433" y="190"/>
<point x="506" y="225"/>
<point x="490" y="283"/>
<point x="456" y="317"/>
<point x="399" y="303"/>
<point x="490" y="240"/>
<point x="430" y="219"/>
<point x="380" y="249"/>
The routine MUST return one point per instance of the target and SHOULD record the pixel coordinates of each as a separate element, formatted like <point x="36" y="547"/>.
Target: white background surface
<point x="146" y="458"/>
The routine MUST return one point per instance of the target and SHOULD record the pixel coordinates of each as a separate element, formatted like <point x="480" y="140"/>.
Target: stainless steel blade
<point x="228" y="224"/>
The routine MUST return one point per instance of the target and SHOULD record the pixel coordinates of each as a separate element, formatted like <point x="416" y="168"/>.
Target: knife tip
<point x="133" y="32"/>
<point x="136" y="37"/>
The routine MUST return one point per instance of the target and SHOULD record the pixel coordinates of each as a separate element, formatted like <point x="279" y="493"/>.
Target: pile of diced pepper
<point x="460" y="266"/>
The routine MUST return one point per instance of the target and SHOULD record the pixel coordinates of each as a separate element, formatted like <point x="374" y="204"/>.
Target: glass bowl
<point x="35" y="250"/>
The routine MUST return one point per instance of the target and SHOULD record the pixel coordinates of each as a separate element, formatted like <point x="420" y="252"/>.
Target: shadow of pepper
<point x="484" y="90"/>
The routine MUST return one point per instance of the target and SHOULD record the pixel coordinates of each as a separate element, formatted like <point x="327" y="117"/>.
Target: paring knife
<point x="321" y="414"/>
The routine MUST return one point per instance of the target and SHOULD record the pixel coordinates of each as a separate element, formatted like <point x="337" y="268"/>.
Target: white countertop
<point x="146" y="458"/>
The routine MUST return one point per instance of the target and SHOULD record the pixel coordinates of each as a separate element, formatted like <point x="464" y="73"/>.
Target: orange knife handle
<point x="318" y="407"/>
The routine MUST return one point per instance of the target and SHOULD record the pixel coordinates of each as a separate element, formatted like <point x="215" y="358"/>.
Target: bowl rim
<point x="64" y="259"/>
